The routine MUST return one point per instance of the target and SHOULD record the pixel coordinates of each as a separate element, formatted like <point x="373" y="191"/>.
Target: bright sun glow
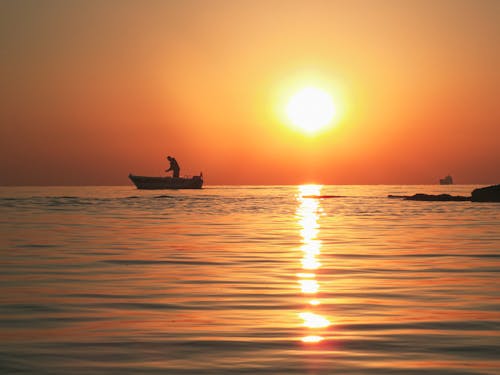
<point x="312" y="339"/>
<point x="312" y="320"/>
<point x="311" y="109"/>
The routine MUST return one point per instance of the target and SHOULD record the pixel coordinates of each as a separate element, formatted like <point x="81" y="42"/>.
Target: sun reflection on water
<point x="309" y="286"/>
<point x="312" y="320"/>
<point x="312" y="339"/>
<point x="308" y="214"/>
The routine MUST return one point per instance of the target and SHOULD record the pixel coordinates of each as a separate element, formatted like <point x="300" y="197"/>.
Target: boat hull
<point x="159" y="183"/>
<point x="446" y="181"/>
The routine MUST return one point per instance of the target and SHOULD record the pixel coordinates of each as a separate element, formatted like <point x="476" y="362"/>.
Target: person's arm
<point x="169" y="169"/>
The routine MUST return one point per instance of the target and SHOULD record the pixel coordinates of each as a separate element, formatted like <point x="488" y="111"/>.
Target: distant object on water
<point x="174" y="182"/>
<point x="156" y="183"/>
<point x="446" y="181"/>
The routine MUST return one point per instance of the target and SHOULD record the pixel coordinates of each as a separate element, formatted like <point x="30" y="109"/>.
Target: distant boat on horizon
<point x="448" y="180"/>
<point x="158" y="183"/>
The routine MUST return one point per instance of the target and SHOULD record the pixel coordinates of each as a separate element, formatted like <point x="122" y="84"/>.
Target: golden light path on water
<point x="308" y="214"/>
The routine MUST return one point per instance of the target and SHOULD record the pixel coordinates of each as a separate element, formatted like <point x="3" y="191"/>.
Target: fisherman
<point x="174" y="166"/>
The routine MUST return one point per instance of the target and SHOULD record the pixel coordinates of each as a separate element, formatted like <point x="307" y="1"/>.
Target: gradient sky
<point x="93" y="90"/>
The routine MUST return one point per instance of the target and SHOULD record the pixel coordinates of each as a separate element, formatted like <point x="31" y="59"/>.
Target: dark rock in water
<point x="487" y="194"/>
<point x="437" y="198"/>
<point x="431" y="197"/>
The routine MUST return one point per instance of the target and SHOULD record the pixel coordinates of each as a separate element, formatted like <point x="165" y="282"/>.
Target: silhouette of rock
<point x="486" y="194"/>
<point x="431" y="197"/>
<point x="440" y="198"/>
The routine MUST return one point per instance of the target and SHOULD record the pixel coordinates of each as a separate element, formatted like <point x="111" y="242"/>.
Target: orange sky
<point x="90" y="91"/>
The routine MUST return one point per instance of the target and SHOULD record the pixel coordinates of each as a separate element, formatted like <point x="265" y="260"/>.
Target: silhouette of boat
<point x="156" y="183"/>
<point x="446" y="181"/>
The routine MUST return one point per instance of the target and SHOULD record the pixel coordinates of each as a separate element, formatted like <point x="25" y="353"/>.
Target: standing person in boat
<point x="174" y="166"/>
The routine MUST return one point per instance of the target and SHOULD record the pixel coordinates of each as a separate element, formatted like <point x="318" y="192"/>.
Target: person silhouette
<point x="174" y="166"/>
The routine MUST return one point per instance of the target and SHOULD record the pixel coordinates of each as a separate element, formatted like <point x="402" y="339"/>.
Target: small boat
<point x="446" y="181"/>
<point x="154" y="183"/>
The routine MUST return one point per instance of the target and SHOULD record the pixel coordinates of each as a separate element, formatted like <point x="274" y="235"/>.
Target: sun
<point x="311" y="109"/>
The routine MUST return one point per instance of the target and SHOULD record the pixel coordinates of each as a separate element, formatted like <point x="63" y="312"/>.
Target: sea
<point x="303" y="279"/>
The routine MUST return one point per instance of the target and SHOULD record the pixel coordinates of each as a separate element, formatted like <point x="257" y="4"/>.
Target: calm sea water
<point x="248" y="280"/>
